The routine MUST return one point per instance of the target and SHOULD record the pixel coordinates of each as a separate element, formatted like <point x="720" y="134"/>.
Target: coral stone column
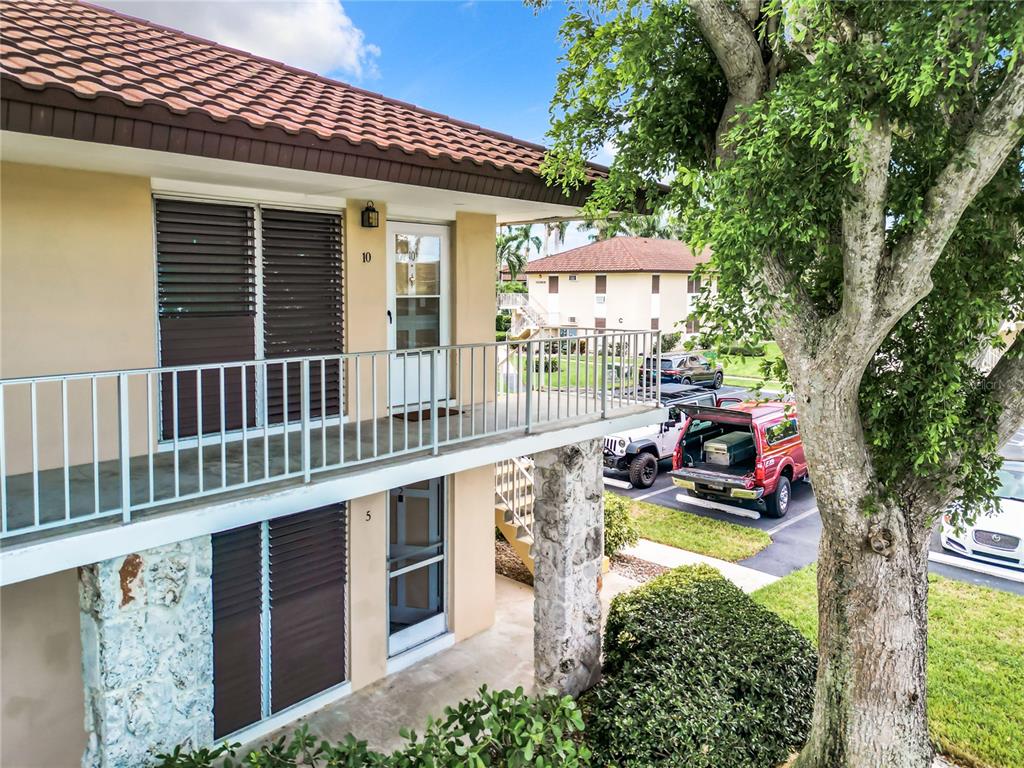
<point x="568" y="533"/>
<point x="147" y="653"/>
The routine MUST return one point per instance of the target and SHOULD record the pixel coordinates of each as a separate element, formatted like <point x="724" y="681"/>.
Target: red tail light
<point x="677" y="456"/>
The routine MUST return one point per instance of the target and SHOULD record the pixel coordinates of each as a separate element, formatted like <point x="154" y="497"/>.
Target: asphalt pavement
<point x="794" y="537"/>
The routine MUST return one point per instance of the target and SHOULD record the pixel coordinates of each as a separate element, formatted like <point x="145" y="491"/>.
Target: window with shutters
<point x="601" y="284"/>
<point x="655" y="283"/>
<point x="692" y="284"/>
<point x="279" y="614"/>
<point x="211" y="292"/>
<point x="206" y="301"/>
<point x="654" y="323"/>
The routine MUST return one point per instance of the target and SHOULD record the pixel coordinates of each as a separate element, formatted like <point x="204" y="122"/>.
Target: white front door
<point x="418" y="312"/>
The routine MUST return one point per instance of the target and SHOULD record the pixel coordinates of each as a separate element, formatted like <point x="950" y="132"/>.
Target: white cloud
<point x="310" y="34"/>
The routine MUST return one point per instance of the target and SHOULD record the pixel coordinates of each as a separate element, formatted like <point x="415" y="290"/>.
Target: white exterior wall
<point x="629" y="302"/>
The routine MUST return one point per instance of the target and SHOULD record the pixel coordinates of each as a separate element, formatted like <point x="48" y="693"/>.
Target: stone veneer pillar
<point x="568" y="534"/>
<point x="147" y="653"/>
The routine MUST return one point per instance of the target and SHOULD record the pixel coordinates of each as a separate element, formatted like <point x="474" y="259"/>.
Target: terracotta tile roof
<point x="622" y="254"/>
<point x="93" y="52"/>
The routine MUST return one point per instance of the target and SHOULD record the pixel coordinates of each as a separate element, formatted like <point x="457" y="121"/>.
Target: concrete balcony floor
<point x="500" y="657"/>
<point x="161" y="482"/>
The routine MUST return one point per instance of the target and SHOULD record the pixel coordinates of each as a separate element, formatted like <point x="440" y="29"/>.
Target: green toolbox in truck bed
<point x="730" y="449"/>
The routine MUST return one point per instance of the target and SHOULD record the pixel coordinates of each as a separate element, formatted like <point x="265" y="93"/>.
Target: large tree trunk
<point x="870" y="706"/>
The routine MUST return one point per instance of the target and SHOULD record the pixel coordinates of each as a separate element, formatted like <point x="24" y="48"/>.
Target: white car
<point x="997" y="538"/>
<point x="639" y="451"/>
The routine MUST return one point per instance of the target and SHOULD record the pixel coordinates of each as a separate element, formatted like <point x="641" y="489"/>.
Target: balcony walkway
<point x="165" y="480"/>
<point x="500" y="657"/>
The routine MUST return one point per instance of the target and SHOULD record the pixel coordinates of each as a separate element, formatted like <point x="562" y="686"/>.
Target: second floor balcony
<point x="88" y="450"/>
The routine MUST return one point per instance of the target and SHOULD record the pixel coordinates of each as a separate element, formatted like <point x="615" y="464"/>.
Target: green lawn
<point x="746" y="371"/>
<point x="715" y="538"/>
<point x="975" y="663"/>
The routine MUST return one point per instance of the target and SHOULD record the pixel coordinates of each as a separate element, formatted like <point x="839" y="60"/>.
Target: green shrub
<point x="496" y="728"/>
<point x="500" y="335"/>
<point x="698" y="675"/>
<point x="744" y="350"/>
<point x="670" y="340"/>
<point x="502" y="322"/>
<point x="620" y="529"/>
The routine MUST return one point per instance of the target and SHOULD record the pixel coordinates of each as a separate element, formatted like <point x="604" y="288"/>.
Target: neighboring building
<point x="249" y="422"/>
<point x="622" y="282"/>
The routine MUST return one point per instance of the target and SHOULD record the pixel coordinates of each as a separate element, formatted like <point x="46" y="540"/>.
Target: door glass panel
<point x="416" y="564"/>
<point x="417" y="265"/>
<point x="418" y="323"/>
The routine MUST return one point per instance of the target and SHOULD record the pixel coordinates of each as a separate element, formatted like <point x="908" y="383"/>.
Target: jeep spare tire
<point x="643" y="470"/>
<point x="777" y="505"/>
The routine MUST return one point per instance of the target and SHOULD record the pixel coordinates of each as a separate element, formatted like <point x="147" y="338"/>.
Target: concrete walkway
<point x="500" y="657"/>
<point x="745" y="578"/>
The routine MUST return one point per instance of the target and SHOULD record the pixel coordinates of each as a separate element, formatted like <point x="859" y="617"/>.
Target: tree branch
<point x="732" y="39"/>
<point x="864" y="222"/>
<point x="1006" y="383"/>
<point x="996" y="133"/>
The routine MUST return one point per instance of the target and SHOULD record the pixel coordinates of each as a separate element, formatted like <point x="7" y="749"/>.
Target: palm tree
<point x="513" y="248"/>
<point x="634" y="225"/>
<point x="557" y="230"/>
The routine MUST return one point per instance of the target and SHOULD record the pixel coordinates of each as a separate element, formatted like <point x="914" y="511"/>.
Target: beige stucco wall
<point x="368" y="609"/>
<point x="629" y="303"/>
<point x="471" y="544"/>
<point x="41" y="695"/>
<point x="76" y="294"/>
<point x="366" y="303"/>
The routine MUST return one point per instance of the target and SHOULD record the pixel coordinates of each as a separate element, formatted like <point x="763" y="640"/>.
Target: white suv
<point x="639" y="451"/>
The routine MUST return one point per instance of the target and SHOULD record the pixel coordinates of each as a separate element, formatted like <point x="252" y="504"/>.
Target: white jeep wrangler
<point x="639" y="451"/>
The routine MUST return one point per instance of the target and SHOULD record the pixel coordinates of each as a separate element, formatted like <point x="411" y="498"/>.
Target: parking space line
<point x="648" y="495"/>
<point x="975" y="566"/>
<point x="753" y="514"/>
<point x="618" y="483"/>
<point x="792" y="520"/>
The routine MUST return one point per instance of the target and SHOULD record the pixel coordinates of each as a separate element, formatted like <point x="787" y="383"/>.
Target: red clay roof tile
<point x="622" y="254"/>
<point x="92" y="52"/>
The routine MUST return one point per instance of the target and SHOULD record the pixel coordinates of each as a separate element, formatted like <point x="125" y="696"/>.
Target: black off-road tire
<point x="777" y="505"/>
<point x="717" y="384"/>
<point x="643" y="470"/>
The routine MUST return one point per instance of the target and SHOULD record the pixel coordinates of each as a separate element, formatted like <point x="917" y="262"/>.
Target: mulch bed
<point x="636" y="569"/>
<point x="508" y="564"/>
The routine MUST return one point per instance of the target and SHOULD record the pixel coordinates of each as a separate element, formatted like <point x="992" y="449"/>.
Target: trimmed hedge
<point x="620" y="529"/>
<point x="698" y="675"/>
<point x="496" y="728"/>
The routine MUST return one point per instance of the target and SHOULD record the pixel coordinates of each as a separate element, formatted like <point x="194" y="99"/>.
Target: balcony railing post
<point x="657" y="368"/>
<point x="434" y="432"/>
<point x="529" y="386"/>
<point x="124" y="447"/>
<point x="304" y="405"/>
<point x="604" y="376"/>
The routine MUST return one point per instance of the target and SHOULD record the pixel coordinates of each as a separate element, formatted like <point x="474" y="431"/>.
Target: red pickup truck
<point x="750" y="451"/>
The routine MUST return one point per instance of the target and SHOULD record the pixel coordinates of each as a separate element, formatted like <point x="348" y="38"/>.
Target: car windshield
<point x="1011" y="481"/>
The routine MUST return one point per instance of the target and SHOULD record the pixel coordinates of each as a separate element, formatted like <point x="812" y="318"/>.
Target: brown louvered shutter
<point x="307" y="604"/>
<point x="655" y="283"/>
<point x="206" y="286"/>
<point x="601" y="284"/>
<point x="237" y="592"/>
<point x="302" y="315"/>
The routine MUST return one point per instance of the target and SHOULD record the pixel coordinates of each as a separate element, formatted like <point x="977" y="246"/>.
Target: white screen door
<point x="418" y="319"/>
<point x="416" y="565"/>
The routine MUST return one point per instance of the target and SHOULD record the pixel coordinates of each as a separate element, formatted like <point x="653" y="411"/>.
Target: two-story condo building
<point x="250" y="399"/>
<point x="619" y="283"/>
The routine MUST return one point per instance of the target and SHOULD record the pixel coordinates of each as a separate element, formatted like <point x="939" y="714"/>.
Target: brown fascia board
<point x="57" y="112"/>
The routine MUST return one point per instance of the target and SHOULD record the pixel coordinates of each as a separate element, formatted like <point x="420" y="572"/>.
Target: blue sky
<point x="492" y="63"/>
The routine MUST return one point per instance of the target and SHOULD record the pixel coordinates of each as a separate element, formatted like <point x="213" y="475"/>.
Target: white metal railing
<point x="80" y="447"/>
<point x="513" y="486"/>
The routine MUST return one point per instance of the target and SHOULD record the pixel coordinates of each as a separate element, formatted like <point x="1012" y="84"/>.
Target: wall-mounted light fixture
<point x="371" y="217"/>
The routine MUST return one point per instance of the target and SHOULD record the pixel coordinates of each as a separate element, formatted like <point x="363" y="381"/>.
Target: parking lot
<point x="795" y="537"/>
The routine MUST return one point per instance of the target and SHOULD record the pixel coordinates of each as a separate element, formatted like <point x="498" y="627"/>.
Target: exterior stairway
<point x="513" y="505"/>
